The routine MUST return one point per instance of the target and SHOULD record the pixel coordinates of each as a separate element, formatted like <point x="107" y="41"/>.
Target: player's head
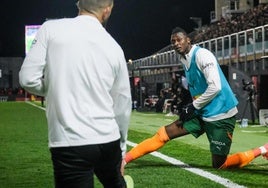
<point x="100" y="8"/>
<point x="180" y="41"/>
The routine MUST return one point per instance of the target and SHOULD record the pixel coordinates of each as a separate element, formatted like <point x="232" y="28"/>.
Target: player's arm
<point x="207" y="63"/>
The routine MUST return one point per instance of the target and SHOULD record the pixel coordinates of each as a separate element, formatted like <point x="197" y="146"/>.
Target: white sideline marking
<point x="223" y="181"/>
<point x="244" y="131"/>
<point x="42" y="108"/>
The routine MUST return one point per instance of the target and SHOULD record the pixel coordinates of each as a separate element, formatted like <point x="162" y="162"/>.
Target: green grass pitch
<point x="25" y="158"/>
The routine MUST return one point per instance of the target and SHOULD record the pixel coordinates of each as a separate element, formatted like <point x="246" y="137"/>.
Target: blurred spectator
<point x="254" y="17"/>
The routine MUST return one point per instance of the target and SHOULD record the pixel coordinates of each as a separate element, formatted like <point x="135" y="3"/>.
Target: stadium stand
<point x="240" y="43"/>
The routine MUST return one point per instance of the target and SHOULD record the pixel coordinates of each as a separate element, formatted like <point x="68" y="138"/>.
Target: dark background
<point x="141" y="27"/>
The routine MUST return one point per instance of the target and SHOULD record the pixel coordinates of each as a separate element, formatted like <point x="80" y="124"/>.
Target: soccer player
<point x="212" y="111"/>
<point x="88" y="96"/>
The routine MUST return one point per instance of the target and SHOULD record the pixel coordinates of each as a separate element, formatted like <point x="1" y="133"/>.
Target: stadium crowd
<point x="10" y="91"/>
<point x="254" y="17"/>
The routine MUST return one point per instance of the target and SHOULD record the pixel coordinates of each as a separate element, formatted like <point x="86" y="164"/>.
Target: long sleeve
<point x="122" y="104"/>
<point x="32" y="70"/>
<point x="84" y="77"/>
<point x="207" y="63"/>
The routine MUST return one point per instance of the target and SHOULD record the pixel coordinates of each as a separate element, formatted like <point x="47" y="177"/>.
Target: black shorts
<point x="75" y="166"/>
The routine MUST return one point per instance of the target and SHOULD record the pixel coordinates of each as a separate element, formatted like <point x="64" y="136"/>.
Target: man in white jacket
<point x="82" y="72"/>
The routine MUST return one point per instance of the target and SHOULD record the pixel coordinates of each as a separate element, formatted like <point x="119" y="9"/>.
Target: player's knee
<point x="162" y="135"/>
<point x="218" y="161"/>
<point x="217" y="165"/>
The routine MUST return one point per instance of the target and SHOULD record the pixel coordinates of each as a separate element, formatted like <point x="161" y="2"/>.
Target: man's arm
<point x="32" y="70"/>
<point x="207" y="63"/>
<point x="122" y="103"/>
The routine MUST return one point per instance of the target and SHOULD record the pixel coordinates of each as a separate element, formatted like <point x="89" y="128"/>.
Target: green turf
<point x="25" y="158"/>
<point x="195" y="151"/>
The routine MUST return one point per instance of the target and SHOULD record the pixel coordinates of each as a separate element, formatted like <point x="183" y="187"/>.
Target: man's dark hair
<point x="178" y="30"/>
<point x="93" y="5"/>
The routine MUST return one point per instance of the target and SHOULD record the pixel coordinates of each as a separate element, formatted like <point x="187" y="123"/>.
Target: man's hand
<point x="187" y="112"/>
<point x="123" y="164"/>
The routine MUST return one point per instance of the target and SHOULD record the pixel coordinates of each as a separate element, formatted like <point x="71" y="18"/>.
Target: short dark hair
<point x="178" y="30"/>
<point x="93" y="5"/>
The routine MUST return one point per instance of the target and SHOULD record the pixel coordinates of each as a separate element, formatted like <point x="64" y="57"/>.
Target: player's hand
<point x="122" y="169"/>
<point x="187" y="112"/>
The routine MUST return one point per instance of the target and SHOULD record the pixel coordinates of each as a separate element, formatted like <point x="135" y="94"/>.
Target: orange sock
<point x="243" y="158"/>
<point x="148" y="145"/>
<point x="238" y="159"/>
